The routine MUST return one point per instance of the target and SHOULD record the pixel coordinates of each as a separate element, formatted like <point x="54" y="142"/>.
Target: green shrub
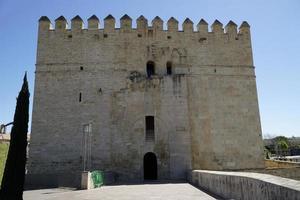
<point x="3" y="153"/>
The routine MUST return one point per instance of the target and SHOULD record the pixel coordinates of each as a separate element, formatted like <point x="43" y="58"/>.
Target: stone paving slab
<point x="175" y="191"/>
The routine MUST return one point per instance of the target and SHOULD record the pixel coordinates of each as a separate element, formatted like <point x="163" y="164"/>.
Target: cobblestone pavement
<point x="176" y="191"/>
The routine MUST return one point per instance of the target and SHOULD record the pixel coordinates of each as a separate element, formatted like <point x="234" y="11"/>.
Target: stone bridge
<point x="203" y="185"/>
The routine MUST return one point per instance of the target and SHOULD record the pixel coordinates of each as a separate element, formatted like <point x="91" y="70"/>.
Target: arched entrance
<point x="150" y="166"/>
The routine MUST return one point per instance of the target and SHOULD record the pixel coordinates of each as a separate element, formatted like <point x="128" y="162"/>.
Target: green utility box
<point x="97" y="178"/>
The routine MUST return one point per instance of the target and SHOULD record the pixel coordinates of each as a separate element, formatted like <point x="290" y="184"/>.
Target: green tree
<point x="282" y="144"/>
<point x="14" y="174"/>
<point x="281" y="138"/>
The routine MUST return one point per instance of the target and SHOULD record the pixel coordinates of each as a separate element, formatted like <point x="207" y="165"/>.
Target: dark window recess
<point x="69" y="36"/>
<point x="169" y="37"/>
<point x="215" y="71"/>
<point x="81" y="68"/>
<point x="169" y="68"/>
<point x="150" y="69"/>
<point x="202" y="40"/>
<point x="80" y="97"/>
<point x="139" y="35"/>
<point x="149" y="120"/>
<point x="105" y="35"/>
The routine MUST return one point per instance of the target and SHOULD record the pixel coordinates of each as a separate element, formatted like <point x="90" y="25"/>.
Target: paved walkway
<point x="176" y="191"/>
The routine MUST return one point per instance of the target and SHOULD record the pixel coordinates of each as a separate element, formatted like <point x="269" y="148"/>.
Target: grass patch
<point x="3" y="153"/>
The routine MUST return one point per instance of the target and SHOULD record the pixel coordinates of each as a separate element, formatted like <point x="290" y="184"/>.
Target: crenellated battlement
<point x="157" y="25"/>
<point x="179" y="42"/>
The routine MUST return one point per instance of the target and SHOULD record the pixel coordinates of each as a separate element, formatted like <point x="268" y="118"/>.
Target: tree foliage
<point x="282" y="145"/>
<point x="281" y="138"/>
<point x="14" y="174"/>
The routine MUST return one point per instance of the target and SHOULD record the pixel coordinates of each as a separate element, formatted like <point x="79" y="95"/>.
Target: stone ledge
<point x="246" y="185"/>
<point x="281" y="164"/>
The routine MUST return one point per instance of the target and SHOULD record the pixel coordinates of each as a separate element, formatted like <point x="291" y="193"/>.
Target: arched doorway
<point x="150" y="166"/>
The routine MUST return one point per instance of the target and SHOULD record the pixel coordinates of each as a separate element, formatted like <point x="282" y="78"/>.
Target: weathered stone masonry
<point x="205" y="107"/>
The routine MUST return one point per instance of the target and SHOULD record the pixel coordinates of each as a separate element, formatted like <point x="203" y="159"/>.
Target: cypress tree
<point x="14" y="174"/>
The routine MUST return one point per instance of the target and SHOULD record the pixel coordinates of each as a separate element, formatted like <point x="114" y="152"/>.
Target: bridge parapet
<point x="246" y="185"/>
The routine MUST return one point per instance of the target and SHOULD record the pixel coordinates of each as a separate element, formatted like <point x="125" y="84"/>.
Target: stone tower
<point x="142" y="102"/>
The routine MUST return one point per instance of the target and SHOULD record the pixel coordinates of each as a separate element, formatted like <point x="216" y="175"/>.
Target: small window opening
<point x="215" y="71"/>
<point x="105" y="35"/>
<point x="201" y="40"/>
<point x="169" y="37"/>
<point x="149" y="120"/>
<point x="80" y="97"/>
<point x="150" y="69"/>
<point x="139" y="35"/>
<point x="169" y="68"/>
<point x="69" y="36"/>
<point x="81" y="68"/>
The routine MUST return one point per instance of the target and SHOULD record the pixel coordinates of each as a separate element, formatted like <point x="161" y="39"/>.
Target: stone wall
<point x="246" y="185"/>
<point x="291" y="172"/>
<point x="206" y="112"/>
<point x="280" y="168"/>
<point x="281" y="164"/>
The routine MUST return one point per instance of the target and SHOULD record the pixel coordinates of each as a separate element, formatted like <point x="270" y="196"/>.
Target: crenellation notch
<point x="231" y="28"/>
<point x="142" y="25"/>
<point x="217" y="27"/>
<point x="61" y="23"/>
<point x="44" y="23"/>
<point x="202" y="27"/>
<point x="157" y="24"/>
<point x="109" y="24"/>
<point x="188" y="26"/>
<point x="172" y="25"/>
<point x="244" y="28"/>
<point x="93" y="22"/>
<point x="76" y="23"/>
<point x="125" y="23"/>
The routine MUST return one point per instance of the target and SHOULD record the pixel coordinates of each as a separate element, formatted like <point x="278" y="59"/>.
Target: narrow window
<point x="149" y="120"/>
<point x="81" y="68"/>
<point x="150" y="69"/>
<point x="80" y="97"/>
<point x="169" y="68"/>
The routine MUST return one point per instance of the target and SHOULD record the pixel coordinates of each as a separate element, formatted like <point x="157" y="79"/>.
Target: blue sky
<point x="275" y="28"/>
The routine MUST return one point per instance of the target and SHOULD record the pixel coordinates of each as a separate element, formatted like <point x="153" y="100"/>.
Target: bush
<point x="3" y="154"/>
